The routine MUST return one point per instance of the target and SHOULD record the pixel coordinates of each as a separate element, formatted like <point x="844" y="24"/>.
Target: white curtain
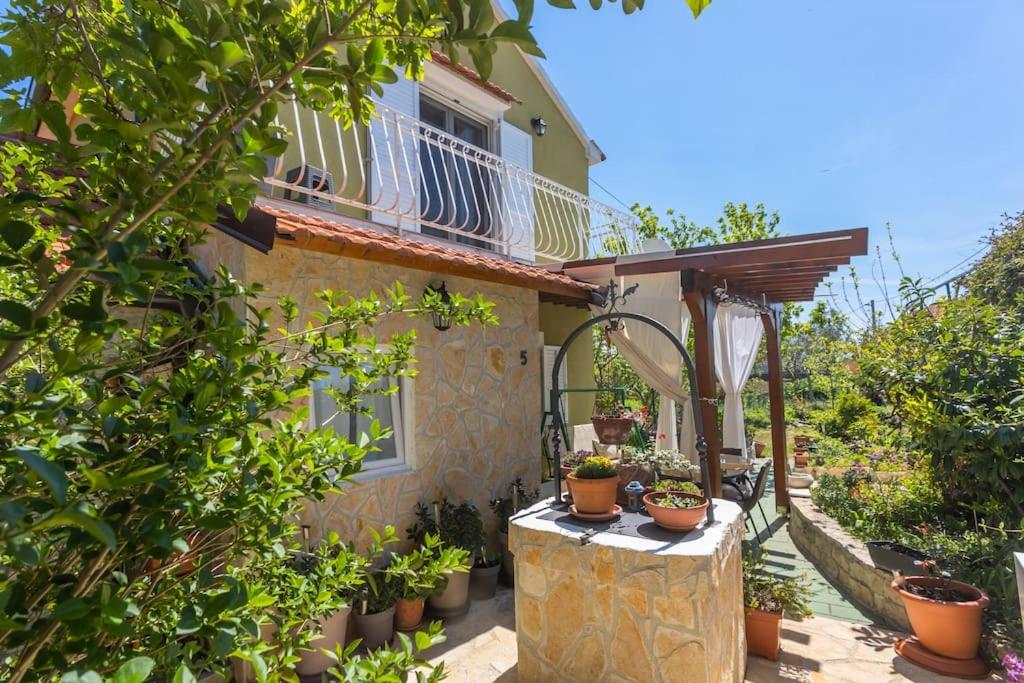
<point x="654" y="358"/>
<point x="738" y="332"/>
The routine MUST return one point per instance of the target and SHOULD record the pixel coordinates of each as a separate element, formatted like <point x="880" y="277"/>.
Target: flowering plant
<point x="576" y="458"/>
<point x="1014" y="665"/>
<point x="659" y="459"/>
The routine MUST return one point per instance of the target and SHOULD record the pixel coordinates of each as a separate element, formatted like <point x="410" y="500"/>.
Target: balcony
<point x="403" y="173"/>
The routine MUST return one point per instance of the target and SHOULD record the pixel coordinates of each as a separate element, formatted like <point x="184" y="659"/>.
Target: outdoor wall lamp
<point x="441" y="320"/>
<point x="540" y="126"/>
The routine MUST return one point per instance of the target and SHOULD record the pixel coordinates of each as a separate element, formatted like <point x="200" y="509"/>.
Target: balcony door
<point x="455" y="185"/>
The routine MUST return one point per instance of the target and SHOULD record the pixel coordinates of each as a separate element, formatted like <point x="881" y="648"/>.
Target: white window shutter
<point x="550" y="352"/>
<point x="394" y="171"/>
<point x="517" y="197"/>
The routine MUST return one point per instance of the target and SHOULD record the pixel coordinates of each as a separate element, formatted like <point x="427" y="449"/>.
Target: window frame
<point x="403" y="428"/>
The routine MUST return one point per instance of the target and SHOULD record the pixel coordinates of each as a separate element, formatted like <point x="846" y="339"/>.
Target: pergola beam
<point x="776" y="399"/>
<point x="702" y="317"/>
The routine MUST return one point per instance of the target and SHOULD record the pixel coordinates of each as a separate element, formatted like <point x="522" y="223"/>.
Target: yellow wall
<point x="557" y="322"/>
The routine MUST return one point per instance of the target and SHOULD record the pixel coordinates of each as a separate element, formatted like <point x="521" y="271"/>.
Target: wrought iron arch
<point x="614" y="318"/>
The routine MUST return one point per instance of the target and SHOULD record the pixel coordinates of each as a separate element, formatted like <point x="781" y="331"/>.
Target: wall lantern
<point x="441" y="320"/>
<point x="540" y="126"/>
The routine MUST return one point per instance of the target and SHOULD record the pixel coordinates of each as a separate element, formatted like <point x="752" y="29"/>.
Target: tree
<point x="998" y="277"/>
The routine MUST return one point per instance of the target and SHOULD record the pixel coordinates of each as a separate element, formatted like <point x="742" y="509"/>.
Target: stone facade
<point x="477" y="408"/>
<point x="845" y="561"/>
<point x="621" y="608"/>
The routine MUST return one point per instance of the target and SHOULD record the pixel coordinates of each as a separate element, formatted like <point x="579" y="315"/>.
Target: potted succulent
<point x="483" y="578"/>
<point x="615" y="426"/>
<point x="517" y="499"/>
<point x="420" y="573"/>
<point x="571" y="462"/>
<point x="459" y="526"/>
<point x="680" y="508"/>
<point x="765" y="598"/>
<point x="945" y="614"/>
<point x="594" y="484"/>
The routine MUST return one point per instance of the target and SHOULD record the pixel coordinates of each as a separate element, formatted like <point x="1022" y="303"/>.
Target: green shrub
<point x="767" y="592"/>
<point x="853" y="417"/>
<point x="595" y="468"/>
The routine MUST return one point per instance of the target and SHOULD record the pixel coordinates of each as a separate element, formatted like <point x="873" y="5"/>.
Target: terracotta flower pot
<point x="764" y="633"/>
<point x="566" y="471"/>
<point x="314" y="661"/>
<point x="950" y="629"/>
<point x="676" y="519"/>
<point x="612" y="430"/>
<point x="594" y="496"/>
<point x="800" y="457"/>
<point x="627" y="473"/>
<point x="409" y="614"/>
<point x="376" y="629"/>
<point x="802" y="441"/>
<point x="759" y="447"/>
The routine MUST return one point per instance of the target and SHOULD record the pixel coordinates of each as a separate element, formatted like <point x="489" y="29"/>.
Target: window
<point x="391" y="410"/>
<point x="455" y="189"/>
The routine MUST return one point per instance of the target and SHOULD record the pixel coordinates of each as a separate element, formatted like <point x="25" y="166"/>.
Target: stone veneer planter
<point x="845" y="561"/>
<point x="626" y="608"/>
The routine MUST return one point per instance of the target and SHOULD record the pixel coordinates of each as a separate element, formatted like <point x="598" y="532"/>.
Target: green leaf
<point x="93" y="312"/>
<point x="227" y="54"/>
<point x="142" y="476"/>
<point x="50" y="472"/>
<point x="569" y="4"/>
<point x="17" y="234"/>
<point x="183" y="675"/>
<point x="94" y="526"/>
<point x="519" y="34"/>
<point x="17" y="313"/>
<point x="70" y="610"/>
<point x="134" y="670"/>
<point x="698" y="6"/>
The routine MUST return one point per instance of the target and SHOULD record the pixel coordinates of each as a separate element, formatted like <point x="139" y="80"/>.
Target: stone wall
<point x="477" y="408"/>
<point x="845" y="561"/>
<point x="621" y="608"/>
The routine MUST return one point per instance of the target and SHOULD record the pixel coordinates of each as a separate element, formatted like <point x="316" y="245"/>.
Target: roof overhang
<point x="771" y="270"/>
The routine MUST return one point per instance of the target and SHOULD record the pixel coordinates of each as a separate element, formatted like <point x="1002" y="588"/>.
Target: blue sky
<point x="836" y="113"/>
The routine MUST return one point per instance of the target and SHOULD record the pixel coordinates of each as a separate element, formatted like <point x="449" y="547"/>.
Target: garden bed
<point x="845" y="561"/>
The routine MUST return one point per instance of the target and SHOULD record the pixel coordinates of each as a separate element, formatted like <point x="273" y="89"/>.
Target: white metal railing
<point x="414" y="176"/>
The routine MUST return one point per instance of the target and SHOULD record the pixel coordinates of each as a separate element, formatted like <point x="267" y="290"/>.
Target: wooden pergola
<point x="761" y="274"/>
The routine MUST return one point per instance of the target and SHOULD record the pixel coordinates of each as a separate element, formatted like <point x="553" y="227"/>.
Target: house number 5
<point x="522" y="357"/>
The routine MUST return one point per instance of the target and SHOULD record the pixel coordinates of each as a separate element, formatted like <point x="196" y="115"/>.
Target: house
<point x="471" y="184"/>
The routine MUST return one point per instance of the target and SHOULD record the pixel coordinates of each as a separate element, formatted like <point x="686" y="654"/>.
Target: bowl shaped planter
<point x="483" y="581"/>
<point x="612" y="430"/>
<point x="333" y="629"/>
<point x="453" y="599"/>
<point x="675" y="517"/>
<point x="764" y="632"/>
<point x="594" y="496"/>
<point x="947" y="627"/>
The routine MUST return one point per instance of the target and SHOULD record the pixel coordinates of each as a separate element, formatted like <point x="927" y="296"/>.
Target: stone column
<point x="626" y="608"/>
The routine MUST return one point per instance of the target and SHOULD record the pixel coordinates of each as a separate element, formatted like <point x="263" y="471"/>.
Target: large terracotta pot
<point x="566" y="471"/>
<point x="409" y="614"/>
<point x="594" y="496"/>
<point x="676" y="519"/>
<point x="950" y="629"/>
<point x="376" y="629"/>
<point x="764" y="632"/>
<point x="800" y="457"/>
<point x="315" y="661"/>
<point x="612" y="430"/>
<point x="759" y="447"/>
<point x="627" y="473"/>
<point x="453" y="600"/>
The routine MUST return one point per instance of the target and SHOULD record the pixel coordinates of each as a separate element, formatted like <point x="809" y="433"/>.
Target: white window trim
<point x="405" y="441"/>
<point x="441" y="83"/>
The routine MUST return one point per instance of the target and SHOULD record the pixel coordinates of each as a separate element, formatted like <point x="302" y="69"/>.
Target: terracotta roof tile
<point x="441" y="59"/>
<point x="328" y="236"/>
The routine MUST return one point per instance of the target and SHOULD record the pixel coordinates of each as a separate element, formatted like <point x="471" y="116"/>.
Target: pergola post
<point x="702" y="309"/>
<point x="773" y="335"/>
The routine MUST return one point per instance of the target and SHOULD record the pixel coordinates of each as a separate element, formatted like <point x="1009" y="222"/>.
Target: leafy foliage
<point x="458" y="526"/>
<point x="998" y="277"/>
<point x="767" y="592"/>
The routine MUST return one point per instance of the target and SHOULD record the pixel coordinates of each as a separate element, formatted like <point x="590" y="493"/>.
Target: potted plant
<point x="420" y="573"/>
<point x="594" y="485"/>
<point x="800" y="457"/>
<point x="483" y="578"/>
<point x="458" y="526"/>
<point x="803" y="441"/>
<point x="375" y="617"/>
<point x="517" y="499"/>
<point x="615" y="426"/>
<point x="681" y="508"/>
<point x="635" y="465"/>
<point x="945" y="614"/>
<point x="571" y="462"/>
<point x="765" y="598"/>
